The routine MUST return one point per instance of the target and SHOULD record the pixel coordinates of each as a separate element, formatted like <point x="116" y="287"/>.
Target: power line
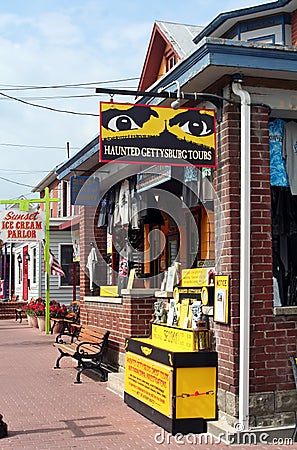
<point x="37" y="146"/>
<point x="11" y="87"/>
<point x="15" y="182"/>
<point x="48" y="107"/>
<point x="23" y="171"/>
<point x="54" y="97"/>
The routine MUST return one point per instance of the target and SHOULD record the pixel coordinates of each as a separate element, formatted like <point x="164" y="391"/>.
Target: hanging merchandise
<point x="290" y="153"/>
<point x="124" y="202"/>
<point x="110" y="211"/>
<point x="123" y="266"/>
<point x="103" y="213"/>
<point x="91" y="266"/>
<point x="116" y="215"/>
<point x="278" y="174"/>
<point x="123" y="270"/>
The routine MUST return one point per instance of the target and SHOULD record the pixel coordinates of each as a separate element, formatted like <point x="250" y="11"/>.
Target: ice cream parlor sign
<point x="19" y="226"/>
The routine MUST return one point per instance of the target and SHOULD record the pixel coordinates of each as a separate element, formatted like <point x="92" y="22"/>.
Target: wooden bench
<point x="87" y="347"/>
<point x="294" y="366"/>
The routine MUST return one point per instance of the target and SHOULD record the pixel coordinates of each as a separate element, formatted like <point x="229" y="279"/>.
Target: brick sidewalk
<point x="45" y="410"/>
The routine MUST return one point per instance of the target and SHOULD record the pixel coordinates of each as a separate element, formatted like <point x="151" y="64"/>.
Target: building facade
<point x="242" y="65"/>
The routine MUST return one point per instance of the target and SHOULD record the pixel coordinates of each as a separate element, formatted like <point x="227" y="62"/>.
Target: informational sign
<point x="173" y="338"/>
<point x="221" y="299"/>
<point x="191" y="294"/>
<point x="153" y="176"/>
<point x="84" y="190"/>
<point x="150" y="382"/>
<point x="198" y="277"/>
<point x="148" y="134"/>
<point x="22" y="226"/>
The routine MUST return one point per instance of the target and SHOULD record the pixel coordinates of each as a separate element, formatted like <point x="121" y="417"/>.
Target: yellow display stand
<point x="169" y="383"/>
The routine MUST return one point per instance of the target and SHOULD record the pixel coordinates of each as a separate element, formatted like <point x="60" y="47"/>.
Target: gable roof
<point x="178" y="36"/>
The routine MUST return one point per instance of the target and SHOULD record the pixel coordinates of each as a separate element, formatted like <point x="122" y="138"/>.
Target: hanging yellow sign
<point x="148" y="134"/>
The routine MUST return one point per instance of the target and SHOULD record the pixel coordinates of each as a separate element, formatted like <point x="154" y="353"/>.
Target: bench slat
<point x="90" y="335"/>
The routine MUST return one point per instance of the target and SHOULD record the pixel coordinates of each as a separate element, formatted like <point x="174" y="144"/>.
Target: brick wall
<point x="131" y="318"/>
<point x="294" y="28"/>
<point x="273" y="338"/>
<point x="227" y="210"/>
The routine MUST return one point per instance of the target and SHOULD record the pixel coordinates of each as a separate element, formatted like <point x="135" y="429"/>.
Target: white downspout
<point x="245" y="242"/>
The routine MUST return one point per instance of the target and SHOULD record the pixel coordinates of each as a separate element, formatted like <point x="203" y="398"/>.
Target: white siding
<point x="62" y="294"/>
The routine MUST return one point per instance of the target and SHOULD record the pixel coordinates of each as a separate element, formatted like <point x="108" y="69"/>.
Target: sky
<point x="45" y="45"/>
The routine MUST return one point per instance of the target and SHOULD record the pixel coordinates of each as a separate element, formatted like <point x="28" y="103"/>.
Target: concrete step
<point x="115" y="383"/>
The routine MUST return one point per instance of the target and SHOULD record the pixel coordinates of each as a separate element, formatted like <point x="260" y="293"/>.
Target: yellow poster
<point x="196" y="392"/>
<point x="184" y="311"/>
<point x="150" y="382"/>
<point x="198" y="277"/>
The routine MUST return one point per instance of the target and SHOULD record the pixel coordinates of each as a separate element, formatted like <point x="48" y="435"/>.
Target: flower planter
<point x="57" y="328"/>
<point x="30" y="323"/>
<point x="41" y="323"/>
<point x="34" y="321"/>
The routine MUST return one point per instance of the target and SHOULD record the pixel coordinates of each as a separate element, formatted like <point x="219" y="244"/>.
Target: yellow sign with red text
<point x="150" y="382"/>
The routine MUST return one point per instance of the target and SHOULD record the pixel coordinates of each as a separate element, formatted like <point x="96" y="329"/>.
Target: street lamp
<point x="19" y="258"/>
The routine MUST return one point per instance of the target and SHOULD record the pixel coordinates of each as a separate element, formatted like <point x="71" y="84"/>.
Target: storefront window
<point x="68" y="265"/>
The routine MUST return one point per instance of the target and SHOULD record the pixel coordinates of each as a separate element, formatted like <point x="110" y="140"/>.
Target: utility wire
<point x="15" y="182"/>
<point x="48" y="107"/>
<point x="54" y="97"/>
<point x="11" y="87"/>
<point x="23" y="171"/>
<point x="38" y="146"/>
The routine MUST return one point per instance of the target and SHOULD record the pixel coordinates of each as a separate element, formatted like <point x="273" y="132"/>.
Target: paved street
<point x="45" y="410"/>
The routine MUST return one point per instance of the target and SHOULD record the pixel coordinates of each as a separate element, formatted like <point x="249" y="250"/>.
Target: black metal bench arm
<point x="85" y="353"/>
<point x="71" y="337"/>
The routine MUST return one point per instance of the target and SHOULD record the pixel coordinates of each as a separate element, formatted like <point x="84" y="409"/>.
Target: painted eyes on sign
<point x="122" y="123"/>
<point x="130" y="119"/>
<point x="194" y="123"/>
